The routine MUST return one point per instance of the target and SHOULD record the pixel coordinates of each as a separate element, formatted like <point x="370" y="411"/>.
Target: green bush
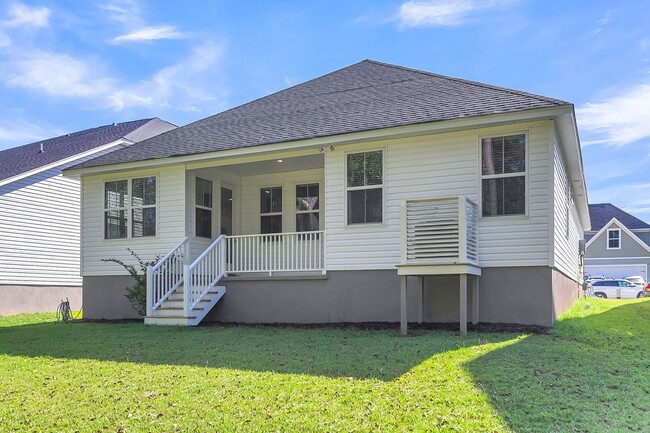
<point x="137" y="294"/>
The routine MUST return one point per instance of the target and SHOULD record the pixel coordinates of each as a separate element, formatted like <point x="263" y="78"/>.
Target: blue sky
<point x="71" y="65"/>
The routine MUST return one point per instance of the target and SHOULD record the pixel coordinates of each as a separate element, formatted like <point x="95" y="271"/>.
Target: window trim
<point x="210" y="209"/>
<point x="619" y="239"/>
<point x="525" y="173"/>
<point x="316" y="211"/>
<point x="129" y="207"/>
<point x="346" y="188"/>
<point x="280" y="214"/>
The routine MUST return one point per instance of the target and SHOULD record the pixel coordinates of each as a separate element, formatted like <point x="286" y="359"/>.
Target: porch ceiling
<point x="273" y="166"/>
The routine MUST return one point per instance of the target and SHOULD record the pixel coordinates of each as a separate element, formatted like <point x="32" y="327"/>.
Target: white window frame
<point x="129" y="207"/>
<point x="525" y="173"/>
<point x="618" y="230"/>
<point x="357" y="188"/>
<point x="271" y="213"/>
<point x="210" y="209"/>
<point x="316" y="211"/>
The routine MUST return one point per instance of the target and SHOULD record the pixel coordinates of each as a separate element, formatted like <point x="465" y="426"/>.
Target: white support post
<point x="420" y="298"/>
<point x="403" y="319"/>
<point x="149" y="292"/>
<point x="463" y="304"/>
<point x="475" y="300"/>
<point x="186" y="290"/>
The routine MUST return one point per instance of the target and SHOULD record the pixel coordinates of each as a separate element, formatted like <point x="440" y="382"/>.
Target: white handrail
<point x="166" y="275"/>
<point x="204" y="273"/>
<point x="276" y="252"/>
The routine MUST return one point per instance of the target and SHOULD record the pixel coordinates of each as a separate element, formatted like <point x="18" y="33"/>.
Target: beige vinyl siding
<point x="437" y="166"/>
<point x="565" y="248"/>
<point x="170" y="221"/>
<point x="250" y="197"/>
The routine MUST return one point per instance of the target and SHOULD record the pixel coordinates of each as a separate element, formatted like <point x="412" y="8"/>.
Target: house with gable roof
<point x="40" y="214"/>
<point x="618" y="244"/>
<point x="375" y="193"/>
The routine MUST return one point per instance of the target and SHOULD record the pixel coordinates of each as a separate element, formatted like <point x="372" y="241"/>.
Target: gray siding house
<point x="375" y="193"/>
<point x="618" y="244"/>
<point x="40" y="214"/>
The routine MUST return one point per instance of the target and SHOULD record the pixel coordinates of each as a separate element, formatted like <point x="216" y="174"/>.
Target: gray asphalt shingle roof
<point x="602" y="213"/>
<point x="365" y="96"/>
<point x="28" y="157"/>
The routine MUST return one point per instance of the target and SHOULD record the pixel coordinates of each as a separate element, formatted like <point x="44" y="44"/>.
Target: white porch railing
<point x="204" y="273"/>
<point x="166" y="275"/>
<point x="280" y="252"/>
<point x="440" y="231"/>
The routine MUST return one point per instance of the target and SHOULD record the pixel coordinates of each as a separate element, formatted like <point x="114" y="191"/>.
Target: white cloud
<point x="622" y="119"/>
<point x="441" y="13"/>
<point x="23" y="15"/>
<point x="150" y="33"/>
<point x="56" y="75"/>
<point x="18" y="131"/>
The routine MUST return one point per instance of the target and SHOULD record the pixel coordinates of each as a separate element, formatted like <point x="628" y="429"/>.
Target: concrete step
<point x="170" y="321"/>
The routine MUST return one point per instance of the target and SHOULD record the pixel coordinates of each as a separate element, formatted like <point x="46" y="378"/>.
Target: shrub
<point x="137" y="294"/>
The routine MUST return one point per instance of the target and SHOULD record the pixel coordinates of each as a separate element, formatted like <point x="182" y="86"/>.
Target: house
<point x="618" y="244"/>
<point x="375" y="193"/>
<point x="40" y="214"/>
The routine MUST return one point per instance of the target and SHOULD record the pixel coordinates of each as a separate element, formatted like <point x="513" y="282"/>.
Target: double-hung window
<point x="307" y="205"/>
<point x="613" y="239"/>
<point x="503" y="175"/>
<point x="203" y="208"/>
<point x="365" y="187"/>
<point x="133" y="200"/>
<point x="271" y="210"/>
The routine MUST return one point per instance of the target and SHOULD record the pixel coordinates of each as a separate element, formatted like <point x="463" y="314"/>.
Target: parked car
<point x="621" y="289"/>
<point x="646" y="291"/>
<point x="636" y="279"/>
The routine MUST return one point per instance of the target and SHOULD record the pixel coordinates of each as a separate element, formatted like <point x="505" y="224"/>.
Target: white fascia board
<point x="622" y="227"/>
<point x="121" y="141"/>
<point x="334" y="140"/>
<point x="570" y="145"/>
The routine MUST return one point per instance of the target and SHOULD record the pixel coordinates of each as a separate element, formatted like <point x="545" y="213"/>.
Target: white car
<point x="621" y="289"/>
<point x="636" y="279"/>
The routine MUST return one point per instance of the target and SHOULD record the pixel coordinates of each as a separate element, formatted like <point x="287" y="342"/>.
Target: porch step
<point x="171" y="311"/>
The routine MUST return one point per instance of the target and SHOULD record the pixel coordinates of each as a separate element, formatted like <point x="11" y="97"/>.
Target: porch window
<point x="141" y="208"/>
<point x="614" y="239"/>
<point x="365" y="187"/>
<point x="271" y="210"/>
<point x="203" y="210"/>
<point x="307" y="205"/>
<point x="503" y="175"/>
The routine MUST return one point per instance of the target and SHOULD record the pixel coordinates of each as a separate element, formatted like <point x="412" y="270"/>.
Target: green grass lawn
<point x="591" y="374"/>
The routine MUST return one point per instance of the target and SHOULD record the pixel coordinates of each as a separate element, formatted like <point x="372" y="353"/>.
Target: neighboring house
<point x="618" y="244"/>
<point x="335" y="194"/>
<point x="40" y="214"/>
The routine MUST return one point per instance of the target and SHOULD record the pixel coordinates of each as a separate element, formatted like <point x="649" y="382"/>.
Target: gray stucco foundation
<point x="530" y="296"/>
<point x="36" y="299"/>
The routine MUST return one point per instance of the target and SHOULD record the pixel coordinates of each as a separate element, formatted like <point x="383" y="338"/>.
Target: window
<point x="503" y="175"/>
<point x="203" y="210"/>
<point x="307" y="205"/>
<point x="365" y="187"/>
<point x="271" y="210"/>
<point x="614" y="239"/>
<point x="141" y="208"/>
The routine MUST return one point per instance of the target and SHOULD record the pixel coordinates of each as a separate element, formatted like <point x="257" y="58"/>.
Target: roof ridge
<point x="471" y="82"/>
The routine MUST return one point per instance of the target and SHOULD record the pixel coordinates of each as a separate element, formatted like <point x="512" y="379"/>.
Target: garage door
<point x="617" y="271"/>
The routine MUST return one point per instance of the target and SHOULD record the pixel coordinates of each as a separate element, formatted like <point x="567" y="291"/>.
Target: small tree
<point x="137" y="294"/>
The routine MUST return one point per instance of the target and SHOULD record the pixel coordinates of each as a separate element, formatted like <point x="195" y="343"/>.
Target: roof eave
<point x="436" y="127"/>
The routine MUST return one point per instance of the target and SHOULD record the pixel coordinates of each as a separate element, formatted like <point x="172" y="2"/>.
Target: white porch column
<point x="403" y="319"/>
<point x="463" y="304"/>
<point x="475" y="300"/>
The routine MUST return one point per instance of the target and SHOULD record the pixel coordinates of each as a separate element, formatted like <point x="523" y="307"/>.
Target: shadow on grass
<point x="331" y="352"/>
<point x="591" y="374"/>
